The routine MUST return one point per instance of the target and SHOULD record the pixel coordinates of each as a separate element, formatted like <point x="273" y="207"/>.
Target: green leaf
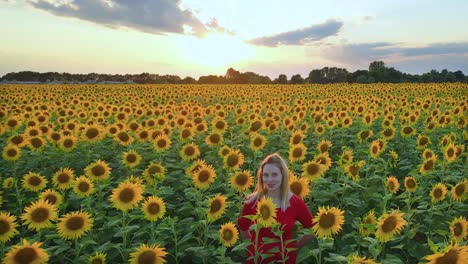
<point x="434" y="248"/>
<point x="336" y="258"/>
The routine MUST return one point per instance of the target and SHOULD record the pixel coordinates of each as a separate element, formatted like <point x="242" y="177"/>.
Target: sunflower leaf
<point x="434" y="248"/>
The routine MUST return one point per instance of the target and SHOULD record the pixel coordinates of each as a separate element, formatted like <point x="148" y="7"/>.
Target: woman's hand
<point x="304" y="240"/>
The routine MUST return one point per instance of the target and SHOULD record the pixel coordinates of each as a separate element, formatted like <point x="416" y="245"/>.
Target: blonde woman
<point x="272" y="182"/>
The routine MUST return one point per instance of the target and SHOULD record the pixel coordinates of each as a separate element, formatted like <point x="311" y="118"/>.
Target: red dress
<point x="297" y="211"/>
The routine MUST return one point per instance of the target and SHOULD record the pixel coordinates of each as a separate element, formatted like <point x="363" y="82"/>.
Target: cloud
<point x="413" y="59"/>
<point x="213" y="25"/>
<point x="150" y="16"/>
<point x="300" y="36"/>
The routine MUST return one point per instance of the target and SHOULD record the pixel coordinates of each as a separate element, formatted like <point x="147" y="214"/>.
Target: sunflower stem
<point x="124" y="229"/>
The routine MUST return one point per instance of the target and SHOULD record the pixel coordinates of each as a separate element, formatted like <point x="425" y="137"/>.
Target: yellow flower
<point x="257" y="142"/>
<point x="389" y="225"/>
<point x="39" y="215"/>
<point x="83" y="186"/>
<point x="98" y="170"/>
<point x="162" y="143"/>
<point x="234" y="159"/>
<point x="459" y="229"/>
<point x="328" y="221"/>
<point x="241" y="181"/>
<point x="459" y="191"/>
<point x="204" y="177"/>
<point x="367" y="225"/>
<point x="299" y="186"/>
<point x="228" y="234"/>
<point x="7" y="226"/>
<point x="63" y="178"/>
<point x="438" y="192"/>
<point x="11" y="152"/>
<point x="152" y="254"/>
<point x="131" y="158"/>
<point x="189" y="151"/>
<point x="392" y="184"/>
<point x="98" y="258"/>
<point x="74" y="225"/>
<point x="428" y="165"/>
<point x="153" y="208"/>
<point x="126" y="195"/>
<point x="34" y="182"/>
<point x="452" y="254"/>
<point x="216" y="207"/>
<point x="51" y="196"/>
<point x="266" y="212"/>
<point x="324" y="146"/>
<point x="297" y="152"/>
<point x="313" y="170"/>
<point x="26" y="253"/>
<point x="410" y="184"/>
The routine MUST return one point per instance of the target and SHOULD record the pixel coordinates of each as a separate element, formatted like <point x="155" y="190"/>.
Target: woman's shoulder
<point x="294" y="199"/>
<point x="251" y="199"/>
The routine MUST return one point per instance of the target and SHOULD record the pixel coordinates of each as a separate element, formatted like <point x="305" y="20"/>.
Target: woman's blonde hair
<point x="260" y="189"/>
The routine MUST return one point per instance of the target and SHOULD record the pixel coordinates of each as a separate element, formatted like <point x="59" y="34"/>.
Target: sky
<point x="202" y="37"/>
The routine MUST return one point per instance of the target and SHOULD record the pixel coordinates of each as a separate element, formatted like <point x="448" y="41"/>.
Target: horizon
<point x="199" y="38"/>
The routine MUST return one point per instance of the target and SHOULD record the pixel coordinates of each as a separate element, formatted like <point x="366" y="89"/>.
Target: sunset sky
<point x="201" y="37"/>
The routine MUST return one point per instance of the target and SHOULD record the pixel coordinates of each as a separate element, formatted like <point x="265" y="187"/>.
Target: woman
<point x="272" y="182"/>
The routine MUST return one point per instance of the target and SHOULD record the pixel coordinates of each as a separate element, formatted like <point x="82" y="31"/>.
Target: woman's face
<point x="272" y="177"/>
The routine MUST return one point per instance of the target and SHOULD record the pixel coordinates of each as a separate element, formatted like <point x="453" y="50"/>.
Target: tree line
<point x="377" y="72"/>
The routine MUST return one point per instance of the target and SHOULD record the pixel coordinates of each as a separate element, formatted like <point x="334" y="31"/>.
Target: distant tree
<point x="361" y="79"/>
<point x="316" y="76"/>
<point x="282" y="79"/>
<point x="377" y="70"/>
<point x="296" y="79"/>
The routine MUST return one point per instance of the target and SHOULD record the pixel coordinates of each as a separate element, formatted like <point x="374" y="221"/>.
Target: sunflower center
<point x="220" y="125"/>
<point x="423" y="141"/>
<point x="391" y="185"/>
<point x="17" y="140"/>
<point x="215" y="138"/>
<point x="189" y="151"/>
<point x="92" y="133"/>
<point x="411" y="183"/>
<point x="450" y="257"/>
<point x="98" y="170"/>
<point x="131" y="158"/>
<point x="429" y="165"/>
<point x="123" y="137"/>
<point x="63" y="178"/>
<point x="227" y="235"/>
<point x="52" y="199"/>
<point x="265" y="212"/>
<point x="407" y="130"/>
<point x="255" y="126"/>
<point x="40" y="215"/>
<point x="241" y="179"/>
<point x="457" y="229"/>
<point x="296" y="139"/>
<point x="450" y="152"/>
<point x="186" y="133"/>
<point x="354" y="170"/>
<point x="203" y="176"/>
<point x="153" y="208"/>
<point x="97" y="261"/>
<point x="297" y="152"/>
<point x="460" y="189"/>
<point x="4" y="227"/>
<point x="126" y="195"/>
<point x="375" y="149"/>
<point x="258" y="142"/>
<point x="296" y="187"/>
<point x="83" y="186"/>
<point x="36" y="142"/>
<point x="147" y="256"/>
<point x="75" y="223"/>
<point x="215" y="206"/>
<point x="437" y="193"/>
<point x="389" y="224"/>
<point x="313" y="169"/>
<point x="26" y="255"/>
<point x="34" y="181"/>
<point x="323" y="148"/>
<point x="154" y="169"/>
<point x="388" y="132"/>
<point x="327" y="220"/>
<point x="162" y="143"/>
<point x="11" y="152"/>
<point x="364" y="134"/>
<point x="232" y="160"/>
<point x="68" y="143"/>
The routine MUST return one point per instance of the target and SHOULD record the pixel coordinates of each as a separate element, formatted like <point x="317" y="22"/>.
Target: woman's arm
<point x="304" y="240"/>
<point x="245" y="234"/>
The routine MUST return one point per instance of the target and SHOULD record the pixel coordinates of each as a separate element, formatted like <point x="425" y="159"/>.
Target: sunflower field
<point x="159" y="173"/>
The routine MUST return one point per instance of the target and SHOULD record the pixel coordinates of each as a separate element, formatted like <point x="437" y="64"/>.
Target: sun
<point x="216" y="50"/>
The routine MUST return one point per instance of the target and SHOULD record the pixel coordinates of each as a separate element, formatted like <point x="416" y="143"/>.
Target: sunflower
<point x="438" y="192"/>
<point x="34" y="182"/>
<point x="39" y="215"/>
<point x="8" y="183"/>
<point x="459" y="191"/>
<point x="299" y="186"/>
<point x="216" y="207"/>
<point x="219" y="124"/>
<point x="154" y="171"/>
<point x="51" y="196"/>
<point x="411" y="184"/>
<point x="389" y="225"/>
<point x="312" y="170"/>
<point x="7" y="226"/>
<point x="324" y="146"/>
<point x="375" y="149"/>
<point x="228" y="234"/>
<point x="63" y="178"/>
<point x="422" y="142"/>
<point x="153" y="208"/>
<point x="266" y="212"/>
<point x="257" y="142"/>
<point x="152" y="254"/>
<point x="297" y="152"/>
<point x="214" y="139"/>
<point x="11" y="152"/>
<point x="367" y="225"/>
<point x="450" y="152"/>
<point x="98" y="258"/>
<point x="17" y="140"/>
<point x="352" y="169"/>
<point x="68" y="143"/>
<point x="234" y="159"/>
<point x="319" y="129"/>
<point x="388" y="133"/>
<point x="74" y="225"/>
<point x="392" y="184"/>
<point x="189" y="151"/>
<point x="452" y="254"/>
<point x="407" y="131"/>
<point x="126" y="195"/>
<point x="364" y="135"/>
<point x="26" y="253"/>
<point x="428" y="165"/>
<point x="98" y="170"/>
<point x="296" y="138"/>
<point x="346" y="157"/>
<point x="204" y="177"/>
<point x="324" y="159"/>
<point x="83" y="186"/>
<point x="241" y="181"/>
<point x="131" y="158"/>
<point x="354" y="259"/>
<point x="190" y="171"/>
<point x="123" y="138"/>
<point x="186" y="133"/>
<point x="328" y="221"/>
<point x="459" y="229"/>
<point x="427" y="154"/>
<point x="162" y="142"/>
<point x="36" y="144"/>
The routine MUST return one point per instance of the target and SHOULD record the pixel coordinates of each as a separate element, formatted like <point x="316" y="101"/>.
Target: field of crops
<point x="152" y="173"/>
